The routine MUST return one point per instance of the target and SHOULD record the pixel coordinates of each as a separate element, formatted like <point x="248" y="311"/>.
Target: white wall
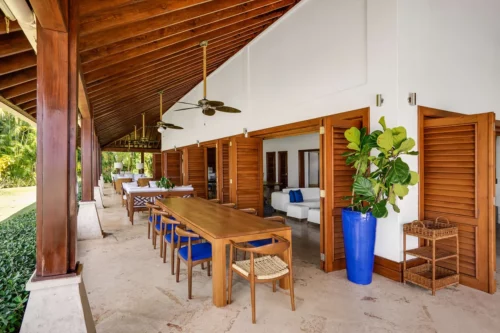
<point x="329" y="56"/>
<point x="291" y="144"/>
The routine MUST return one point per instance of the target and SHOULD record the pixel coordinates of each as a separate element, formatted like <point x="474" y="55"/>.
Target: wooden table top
<point x="219" y="221"/>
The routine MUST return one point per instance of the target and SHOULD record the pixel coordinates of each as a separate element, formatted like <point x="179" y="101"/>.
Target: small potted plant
<point x="165" y="183"/>
<point x="372" y="191"/>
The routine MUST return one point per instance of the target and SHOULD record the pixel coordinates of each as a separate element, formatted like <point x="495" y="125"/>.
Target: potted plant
<point x="165" y="183"/>
<point x="372" y="191"/>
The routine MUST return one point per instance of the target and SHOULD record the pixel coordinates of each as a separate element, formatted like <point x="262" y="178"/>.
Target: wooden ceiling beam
<point x="17" y="62"/>
<point x="19" y="90"/>
<point x="83" y="101"/>
<point x="51" y="14"/>
<point x="132" y="150"/>
<point x="130" y="65"/>
<point x="13" y="106"/>
<point x="176" y="43"/>
<point x="16" y="78"/>
<point x="13" y="43"/>
<point x="27" y="105"/>
<point x="188" y="28"/>
<point x="162" y="72"/>
<point x="113" y="17"/>
<point x="31" y="96"/>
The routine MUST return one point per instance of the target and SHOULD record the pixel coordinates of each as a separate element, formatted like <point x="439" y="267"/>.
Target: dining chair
<point x="150" y="206"/>
<point x="229" y="204"/>
<point x="214" y="200"/>
<point x="267" y="268"/>
<point x="160" y="228"/>
<point x="170" y="239"/>
<point x="262" y="242"/>
<point x="191" y="254"/>
<point x="251" y="211"/>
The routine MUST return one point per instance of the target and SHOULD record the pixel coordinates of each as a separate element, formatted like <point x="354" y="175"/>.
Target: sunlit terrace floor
<point x="131" y="290"/>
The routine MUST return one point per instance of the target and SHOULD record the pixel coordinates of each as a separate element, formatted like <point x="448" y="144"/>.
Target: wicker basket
<point x="422" y="276"/>
<point x="440" y="228"/>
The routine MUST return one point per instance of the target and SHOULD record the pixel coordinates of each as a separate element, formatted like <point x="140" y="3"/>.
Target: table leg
<point x="285" y="283"/>
<point x="219" y="273"/>
<point x="131" y="209"/>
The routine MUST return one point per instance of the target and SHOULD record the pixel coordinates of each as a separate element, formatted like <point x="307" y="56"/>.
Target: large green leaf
<point x="353" y="135"/>
<point x="400" y="190"/>
<point x="399" y="135"/>
<point x="362" y="186"/>
<point x="385" y="140"/>
<point x="392" y="196"/>
<point x="399" y="171"/>
<point x="414" y="178"/>
<point x="406" y="146"/>
<point x="382" y="122"/>
<point x="353" y="146"/>
<point x="379" y="210"/>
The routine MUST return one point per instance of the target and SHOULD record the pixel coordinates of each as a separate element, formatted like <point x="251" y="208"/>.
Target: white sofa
<point x="299" y="210"/>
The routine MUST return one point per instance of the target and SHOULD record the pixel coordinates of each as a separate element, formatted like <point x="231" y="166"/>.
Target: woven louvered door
<point x="457" y="182"/>
<point x="172" y="166"/>
<point x="245" y="156"/>
<point x="223" y="187"/>
<point x="338" y="181"/>
<point x="195" y="169"/>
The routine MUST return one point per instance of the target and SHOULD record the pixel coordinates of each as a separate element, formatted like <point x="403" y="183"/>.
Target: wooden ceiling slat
<point x="19" y="90"/>
<point x="113" y="17"/>
<point x="16" y="78"/>
<point x="27" y="105"/>
<point x="31" y="107"/>
<point x="188" y="28"/>
<point x="13" y="43"/>
<point x="32" y="112"/>
<point x="90" y="6"/>
<point x="17" y="62"/>
<point x="31" y="96"/>
<point x="176" y="43"/>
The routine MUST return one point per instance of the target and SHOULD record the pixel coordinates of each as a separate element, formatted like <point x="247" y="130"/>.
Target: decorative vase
<point x="359" y="244"/>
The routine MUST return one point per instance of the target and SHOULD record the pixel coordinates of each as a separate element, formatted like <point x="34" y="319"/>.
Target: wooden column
<point x="142" y="161"/>
<point x="57" y="100"/>
<point x="95" y="173"/>
<point x="87" y="163"/>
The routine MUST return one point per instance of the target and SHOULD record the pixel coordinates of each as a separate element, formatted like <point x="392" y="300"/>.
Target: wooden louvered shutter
<point x="246" y="173"/>
<point x="172" y="166"/>
<point x="338" y="181"/>
<point x="195" y="169"/>
<point x="223" y="187"/>
<point x="157" y="166"/>
<point x="456" y="183"/>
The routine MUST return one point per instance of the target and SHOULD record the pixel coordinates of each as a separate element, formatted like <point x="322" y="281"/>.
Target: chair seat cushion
<point x="260" y="242"/>
<point x="158" y="224"/>
<point x="168" y="238"/>
<point x="198" y="251"/>
<point x="266" y="267"/>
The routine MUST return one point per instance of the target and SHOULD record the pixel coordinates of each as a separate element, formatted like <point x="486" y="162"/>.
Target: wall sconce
<point x="245" y="132"/>
<point x="380" y="100"/>
<point x="412" y="99"/>
<point x="198" y="142"/>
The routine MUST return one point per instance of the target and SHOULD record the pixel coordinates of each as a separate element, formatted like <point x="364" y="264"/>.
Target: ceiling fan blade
<point x="227" y="109"/>
<point x="209" y="112"/>
<point x="187" y="108"/>
<point x="187" y="103"/>
<point x="215" y="103"/>
<point x="174" y="127"/>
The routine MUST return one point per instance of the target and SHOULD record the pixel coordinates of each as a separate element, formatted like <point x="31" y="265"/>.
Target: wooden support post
<point x="57" y="98"/>
<point x="142" y="161"/>
<point x="87" y="178"/>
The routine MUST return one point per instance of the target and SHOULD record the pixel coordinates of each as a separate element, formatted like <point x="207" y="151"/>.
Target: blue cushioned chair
<point x="191" y="254"/>
<point x="150" y="206"/>
<point x="160" y="228"/>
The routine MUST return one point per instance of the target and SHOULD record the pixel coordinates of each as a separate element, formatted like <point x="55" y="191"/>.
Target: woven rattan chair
<point x="229" y="204"/>
<point x="251" y="211"/>
<point x="150" y="208"/>
<point x="191" y="254"/>
<point x="143" y="182"/>
<point x="268" y="268"/>
<point x="119" y="182"/>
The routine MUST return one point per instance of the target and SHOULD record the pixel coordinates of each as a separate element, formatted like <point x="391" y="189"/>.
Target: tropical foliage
<point x="372" y="190"/>
<point x="17" y="263"/>
<point x="129" y="161"/>
<point x="17" y="152"/>
<point x="166" y="183"/>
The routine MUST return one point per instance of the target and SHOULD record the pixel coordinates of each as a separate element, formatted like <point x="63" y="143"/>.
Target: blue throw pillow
<point x="298" y="196"/>
<point x="292" y="196"/>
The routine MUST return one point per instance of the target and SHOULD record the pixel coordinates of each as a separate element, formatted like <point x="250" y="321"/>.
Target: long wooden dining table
<point x="218" y="225"/>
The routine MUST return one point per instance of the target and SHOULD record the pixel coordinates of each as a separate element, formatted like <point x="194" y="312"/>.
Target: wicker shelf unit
<point x="430" y="275"/>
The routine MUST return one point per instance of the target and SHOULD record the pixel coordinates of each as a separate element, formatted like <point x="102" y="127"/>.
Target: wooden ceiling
<point x="132" y="49"/>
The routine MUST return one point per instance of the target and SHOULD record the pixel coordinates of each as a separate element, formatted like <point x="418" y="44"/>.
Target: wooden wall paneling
<point x="172" y="166"/>
<point x="271" y="167"/>
<point x="336" y="181"/>
<point x="246" y="173"/>
<point x="223" y="186"/>
<point x="195" y="169"/>
<point x="457" y="183"/>
<point x="86" y="147"/>
<point x="157" y="167"/>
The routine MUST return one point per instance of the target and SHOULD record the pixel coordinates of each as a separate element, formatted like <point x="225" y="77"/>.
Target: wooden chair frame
<point x="189" y="262"/>
<point x="150" y="207"/>
<point x="163" y="229"/>
<point x="251" y="211"/>
<point x="229" y="204"/>
<point x="272" y="249"/>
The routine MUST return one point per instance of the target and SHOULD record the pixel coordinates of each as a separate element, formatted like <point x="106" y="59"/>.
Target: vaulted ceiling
<point x="132" y="49"/>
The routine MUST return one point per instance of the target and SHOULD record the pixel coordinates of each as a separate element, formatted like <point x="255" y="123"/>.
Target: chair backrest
<point x="143" y="181"/>
<point x="251" y="211"/>
<point x="120" y="181"/>
<point x="278" y="246"/>
<point x="182" y="232"/>
<point x="229" y="204"/>
<point x="280" y="219"/>
<point x="151" y="206"/>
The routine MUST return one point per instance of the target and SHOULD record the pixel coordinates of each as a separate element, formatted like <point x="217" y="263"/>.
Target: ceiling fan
<point x="208" y="107"/>
<point x="162" y="127"/>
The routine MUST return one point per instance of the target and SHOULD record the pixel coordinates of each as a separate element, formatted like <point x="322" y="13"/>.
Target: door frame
<point x="278" y="167"/>
<point x="302" y="176"/>
<point x="426" y="113"/>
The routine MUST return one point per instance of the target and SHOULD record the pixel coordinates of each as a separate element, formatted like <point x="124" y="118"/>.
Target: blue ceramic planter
<point x="359" y="243"/>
